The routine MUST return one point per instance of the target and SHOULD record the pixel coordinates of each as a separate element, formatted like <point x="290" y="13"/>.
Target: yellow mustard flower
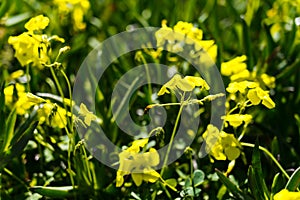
<point x="257" y="95"/>
<point x="15" y="75"/>
<point x="221" y="145"/>
<point x="286" y="195"/>
<point x="269" y="81"/>
<point x="138" y="163"/>
<point x="88" y="115"/>
<point x="184" y="33"/>
<point x="241" y="87"/>
<point x="236" y="120"/>
<point x="185" y="84"/>
<point x="234" y="66"/>
<point x="77" y="9"/>
<point x="52" y="114"/>
<point x="9" y="92"/>
<point x="21" y="103"/>
<point x="37" y="23"/>
<point x="29" y="49"/>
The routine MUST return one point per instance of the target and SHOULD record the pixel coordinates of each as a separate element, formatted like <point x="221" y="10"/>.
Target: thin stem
<point x="148" y="77"/>
<point x="27" y="76"/>
<point x="270" y="155"/>
<point x="172" y="139"/>
<point x="57" y="83"/>
<point x="70" y="96"/>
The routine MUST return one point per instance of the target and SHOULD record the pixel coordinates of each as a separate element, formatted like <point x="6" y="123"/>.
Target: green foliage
<point x="41" y="154"/>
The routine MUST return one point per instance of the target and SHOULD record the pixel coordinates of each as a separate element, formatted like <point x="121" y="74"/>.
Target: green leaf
<point x="294" y="181"/>
<point x="252" y="7"/>
<point x="17" y="147"/>
<point x="257" y="183"/>
<point x="232" y="187"/>
<point x="198" y="178"/>
<point x="9" y="129"/>
<point x="277" y="184"/>
<point x="54" y="192"/>
<point x="5" y="5"/>
<point x="11" y="21"/>
<point x="171" y="182"/>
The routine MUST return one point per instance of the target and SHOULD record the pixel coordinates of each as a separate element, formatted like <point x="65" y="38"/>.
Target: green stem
<point x="70" y="96"/>
<point x="270" y="155"/>
<point x="27" y="77"/>
<point x="172" y="139"/>
<point x="148" y="78"/>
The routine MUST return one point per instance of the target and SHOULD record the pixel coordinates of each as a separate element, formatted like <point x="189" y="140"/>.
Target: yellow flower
<point x="256" y="95"/>
<point x="186" y="84"/>
<point x="88" y="116"/>
<point x="77" y="8"/>
<point x="240" y="75"/>
<point x="287" y="195"/>
<point x="234" y="66"/>
<point x="197" y="82"/>
<point x="268" y="80"/>
<point x="184" y="33"/>
<point x="138" y="163"/>
<point x="29" y="49"/>
<point x="37" y="23"/>
<point x="221" y="145"/>
<point x="54" y="115"/>
<point x="21" y="102"/>
<point x="9" y="92"/>
<point x="236" y="120"/>
<point x="241" y="87"/>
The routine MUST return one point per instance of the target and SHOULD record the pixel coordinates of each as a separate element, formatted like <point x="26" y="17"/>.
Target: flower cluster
<point x="246" y="85"/>
<point x="138" y="163"/>
<point x="186" y="84"/>
<point x="182" y="35"/>
<point x="32" y="47"/>
<point x="77" y="9"/>
<point x="221" y="145"/>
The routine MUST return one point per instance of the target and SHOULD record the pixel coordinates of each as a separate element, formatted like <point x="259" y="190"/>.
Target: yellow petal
<point x="150" y="176"/>
<point x="268" y="102"/>
<point x="287" y="195"/>
<point x="253" y="97"/>
<point x="232" y="153"/>
<point x="137" y="178"/>
<point x="37" y="23"/>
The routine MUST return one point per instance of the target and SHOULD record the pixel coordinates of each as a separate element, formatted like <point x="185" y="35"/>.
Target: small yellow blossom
<point x="77" y="9"/>
<point x="16" y="74"/>
<point x="37" y="23"/>
<point x="54" y="115"/>
<point x="88" y="115"/>
<point x="184" y="33"/>
<point x="234" y="66"/>
<point x="29" y="49"/>
<point x="268" y="80"/>
<point x="287" y="195"/>
<point x="138" y="163"/>
<point x="21" y="103"/>
<point x="221" y="145"/>
<point x="185" y="84"/>
<point x="9" y="92"/>
<point x="245" y="74"/>
<point x="241" y="87"/>
<point x="256" y="95"/>
<point x="236" y="120"/>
